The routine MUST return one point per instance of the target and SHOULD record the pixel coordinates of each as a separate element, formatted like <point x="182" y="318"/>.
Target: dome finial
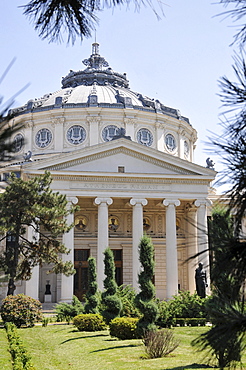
<point x="95" y="61"/>
<point x="95" y="48"/>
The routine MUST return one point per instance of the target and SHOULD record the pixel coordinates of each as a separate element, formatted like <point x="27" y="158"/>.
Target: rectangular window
<point x="121" y="169"/>
<point x="118" y="266"/>
<point x="81" y="276"/>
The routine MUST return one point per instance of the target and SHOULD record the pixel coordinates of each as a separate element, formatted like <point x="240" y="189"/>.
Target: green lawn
<point x="62" y="347"/>
<point x="5" y="358"/>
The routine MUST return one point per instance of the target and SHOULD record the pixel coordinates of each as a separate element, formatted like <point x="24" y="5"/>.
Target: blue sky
<point x="177" y="59"/>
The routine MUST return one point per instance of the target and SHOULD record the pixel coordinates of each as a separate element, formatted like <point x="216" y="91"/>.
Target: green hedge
<point x="123" y="327"/>
<point x="89" y="322"/>
<point x="20" y="357"/>
<point x="190" y="321"/>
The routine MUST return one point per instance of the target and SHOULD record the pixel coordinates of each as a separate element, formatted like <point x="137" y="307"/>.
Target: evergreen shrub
<point x="123" y="327"/>
<point x="111" y="302"/>
<point x="21" y="310"/>
<point x="145" y="299"/>
<point x="67" y="311"/>
<point x="127" y="295"/>
<point x="180" y="309"/>
<point x="89" y="322"/>
<point x="92" y="296"/>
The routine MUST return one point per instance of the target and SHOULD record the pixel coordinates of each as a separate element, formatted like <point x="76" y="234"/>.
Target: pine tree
<point x="111" y="302"/>
<point x="32" y="204"/>
<point x="92" y="301"/>
<point x="145" y="298"/>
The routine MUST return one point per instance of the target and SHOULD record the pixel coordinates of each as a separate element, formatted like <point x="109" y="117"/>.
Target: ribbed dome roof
<point x="96" y="85"/>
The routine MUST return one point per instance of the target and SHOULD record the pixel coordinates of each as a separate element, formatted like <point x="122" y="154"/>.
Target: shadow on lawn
<point x="115" y="347"/>
<point x="83" y="337"/>
<point x="192" y="366"/>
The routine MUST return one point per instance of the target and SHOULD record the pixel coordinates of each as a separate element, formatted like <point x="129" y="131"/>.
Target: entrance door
<point x="81" y="277"/>
<point x="118" y="266"/>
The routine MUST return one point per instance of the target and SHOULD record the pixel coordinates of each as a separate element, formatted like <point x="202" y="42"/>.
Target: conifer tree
<point x="145" y="298"/>
<point x="91" y="305"/>
<point x="111" y="302"/>
<point x="32" y="204"/>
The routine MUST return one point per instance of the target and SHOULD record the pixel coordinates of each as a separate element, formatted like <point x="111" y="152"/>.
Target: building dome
<point x="93" y="105"/>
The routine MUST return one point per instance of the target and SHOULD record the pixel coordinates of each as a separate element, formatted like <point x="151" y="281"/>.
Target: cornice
<point x="107" y="179"/>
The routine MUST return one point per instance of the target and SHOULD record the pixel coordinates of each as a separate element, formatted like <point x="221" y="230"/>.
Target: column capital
<point x="167" y="202"/>
<point x="107" y="201"/>
<point x="135" y="201"/>
<point x="202" y="202"/>
<point x="73" y="200"/>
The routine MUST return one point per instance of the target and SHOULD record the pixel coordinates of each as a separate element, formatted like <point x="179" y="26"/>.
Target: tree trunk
<point x="12" y="253"/>
<point x="11" y="286"/>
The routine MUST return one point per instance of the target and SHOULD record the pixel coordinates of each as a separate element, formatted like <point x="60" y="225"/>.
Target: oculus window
<point x="43" y="138"/>
<point x="145" y="137"/>
<point x="186" y="149"/>
<point x="18" y="142"/>
<point x="109" y="132"/>
<point x="76" y="134"/>
<point x="170" y="142"/>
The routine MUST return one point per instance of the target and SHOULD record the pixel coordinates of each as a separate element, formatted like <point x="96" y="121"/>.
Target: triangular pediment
<point x="119" y="155"/>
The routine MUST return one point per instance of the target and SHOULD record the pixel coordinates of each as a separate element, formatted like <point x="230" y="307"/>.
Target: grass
<point x="5" y="358"/>
<point x="62" y="347"/>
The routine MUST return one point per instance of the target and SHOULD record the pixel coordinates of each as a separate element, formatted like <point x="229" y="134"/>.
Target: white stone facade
<point x="142" y="181"/>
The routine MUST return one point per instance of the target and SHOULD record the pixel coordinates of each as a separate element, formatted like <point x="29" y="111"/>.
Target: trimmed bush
<point x="67" y="311"/>
<point x="190" y="321"/>
<point x="111" y="302"/>
<point x="123" y="327"/>
<point x="21" y="310"/>
<point x="89" y="322"/>
<point x="145" y="298"/>
<point x="92" y="297"/>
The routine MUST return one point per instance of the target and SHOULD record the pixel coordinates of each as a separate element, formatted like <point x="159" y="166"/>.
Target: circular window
<point x="170" y="142"/>
<point x="76" y="134"/>
<point x="186" y="149"/>
<point x="43" y="138"/>
<point x="144" y="137"/>
<point x="18" y="142"/>
<point x="109" y="132"/>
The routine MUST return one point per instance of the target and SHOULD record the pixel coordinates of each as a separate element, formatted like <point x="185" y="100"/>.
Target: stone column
<point x="68" y="240"/>
<point x="32" y="285"/>
<point x="171" y="247"/>
<point x="202" y="231"/>
<point x="102" y="236"/>
<point x="137" y="233"/>
<point x="202" y="235"/>
<point x="191" y="245"/>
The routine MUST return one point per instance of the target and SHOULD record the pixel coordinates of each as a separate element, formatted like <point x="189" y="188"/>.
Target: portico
<point x="117" y="208"/>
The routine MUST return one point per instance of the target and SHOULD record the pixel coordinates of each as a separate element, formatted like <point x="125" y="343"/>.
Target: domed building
<point x="127" y="161"/>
